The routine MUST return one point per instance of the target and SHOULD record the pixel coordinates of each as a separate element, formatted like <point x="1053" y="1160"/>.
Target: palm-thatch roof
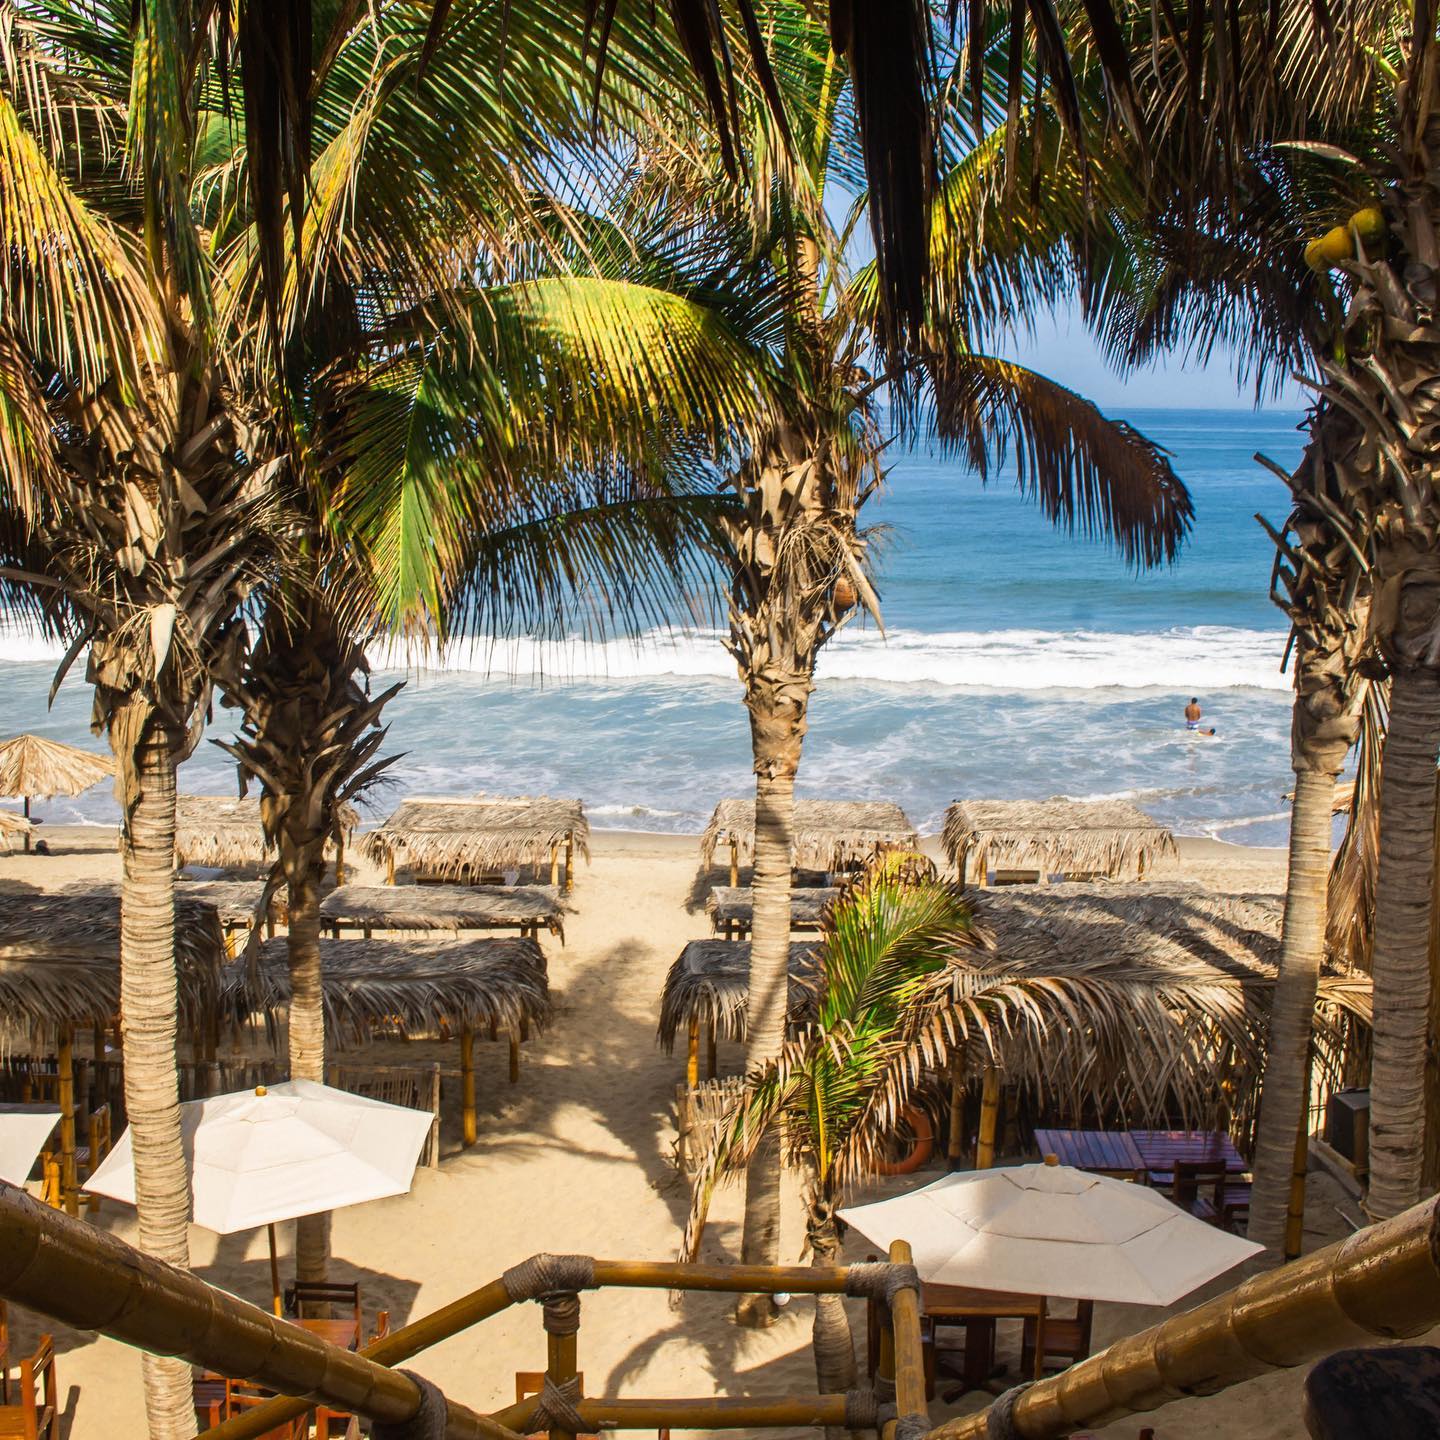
<point x="235" y="901"/>
<point x="1057" y="836"/>
<point x="1176" y="983"/>
<point x="450" y="836"/>
<point x="11" y="826"/>
<point x="710" y="982"/>
<point x="445" y="907"/>
<point x="413" y="988"/>
<point x="60" y="958"/>
<point x="226" y="832"/>
<point x="33" y="766"/>
<point x="734" y="904"/>
<point x="829" y="834"/>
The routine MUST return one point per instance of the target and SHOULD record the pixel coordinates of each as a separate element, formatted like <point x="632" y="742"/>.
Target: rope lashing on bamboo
<point x="880" y="1280"/>
<point x="862" y="1410"/>
<point x="427" y="1423"/>
<point x="543" y="1275"/>
<point x="1000" y="1418"/>
<point x="555" y="1407"/>
<point x="561" y="1315"/>
<point x="912" y="1427"/>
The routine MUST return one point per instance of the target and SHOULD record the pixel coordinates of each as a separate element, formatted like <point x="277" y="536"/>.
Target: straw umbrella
<point x="11" y="825"/>
<point x="34" y="767"/>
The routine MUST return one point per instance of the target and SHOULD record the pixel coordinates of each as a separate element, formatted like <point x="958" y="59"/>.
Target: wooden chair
<point x="88" y="1157"/>
<point x="35" y="1412"/>
<point x="1066" y="1339"/>
<point x="1199" y="1187"/>
<point x="314" y="1296"/>
<point x="208" y="1393"/>
<point x="243" y="1395"/>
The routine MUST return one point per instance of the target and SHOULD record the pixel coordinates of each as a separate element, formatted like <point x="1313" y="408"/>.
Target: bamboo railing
<point x="91" y="1280"/>
<point x="1380" y="1283"/>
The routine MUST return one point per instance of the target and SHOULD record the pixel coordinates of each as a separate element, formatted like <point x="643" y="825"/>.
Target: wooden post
<point x="65" y="1095"/>
<point x="340" y="861"/>
<point x="514" y="1058"/>
<point x="909" y="1355"/>
<point x="989" y="1115"/>
<point x="554" y="862"/>
<point x="274" y="1271"/>
<point x="734" y="862"/>
<point x="435" y="1120"/>
<point x="27" y="833"/>
<point x="955" y="1140"/>
<point x="467" y="1084"/>
<point x="569" y="861"/>
<point x="712" y="1061"/>
<point x="390" y="868"/>
<point x="692" y="1054"/>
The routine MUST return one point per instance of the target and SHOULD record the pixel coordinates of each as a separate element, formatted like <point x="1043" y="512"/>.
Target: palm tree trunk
<point x="1292" y="1010"/>
<point x="1403" y="894"/>
<point x="777" y="725"/>
<point x="148" y="1002"/>
<point x="306" y="1031"/>
<point x="833" y="1342"/>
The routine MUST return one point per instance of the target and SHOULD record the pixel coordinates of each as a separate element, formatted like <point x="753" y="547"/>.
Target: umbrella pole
<point x="274" y="1269"/>
<point x="27" y="833"/>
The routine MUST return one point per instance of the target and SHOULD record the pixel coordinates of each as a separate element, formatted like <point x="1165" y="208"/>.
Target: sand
<point x="577" y="1157"/>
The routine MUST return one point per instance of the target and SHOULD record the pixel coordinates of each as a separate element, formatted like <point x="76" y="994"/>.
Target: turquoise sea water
<point x="1016" y="662"/>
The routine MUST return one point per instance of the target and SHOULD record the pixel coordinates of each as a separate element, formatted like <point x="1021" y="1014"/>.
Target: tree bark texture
<point x="1283" y="1100"/>
<point x="148" y="1001"/>
<point x="834" y="1344"/>
<point x="1403" y="898"/>
<point x="306" y="1029"/>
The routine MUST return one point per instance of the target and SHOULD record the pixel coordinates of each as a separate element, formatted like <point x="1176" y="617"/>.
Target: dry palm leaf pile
<point x="412" y="989"/>
<point x="1058" y="836"/>
<point x="829" y="834"/>
<point x="448" y="837"/>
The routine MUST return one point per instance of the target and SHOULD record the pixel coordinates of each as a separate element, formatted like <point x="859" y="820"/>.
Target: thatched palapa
<point x="34" y="767"/>
<point x="13" y="827"/>
<point x="710" y="983"/>
<point x="60" y="959"/>
<point x="225" y="832"/>
<point x="1177" y="985"/>
<point x="829" y="834"/>
<point x="235" y="901"/>
<point x="409" y="989"/>
<point x="449" y="838"/>
<point x="1054" y="837"/>
<point x="732" y="907"/>
<point x="443" y="907"/>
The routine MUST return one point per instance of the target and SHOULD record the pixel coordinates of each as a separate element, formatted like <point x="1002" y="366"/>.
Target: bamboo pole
<point x="554" y="862"/>
<point x="569" y="861"/>
<point x="467" y="1084"/>
<point x="561" y="1364"/>
<point x="712" y="1059"/>
<point x="734" y="862"/>
<point x="65" y="1096"/>
<point x="909" y="1356"/>
<point x="722" y="1413"/>
<point x="87" y="1278"/>
<point x="955" y="1137"/>
<point x="274" y="1272"/>
<point x="1382" y="1282"/>
<point x="989" y="1117"/>
<point x="26" y="836"/>
<point x="692" y="1053"/>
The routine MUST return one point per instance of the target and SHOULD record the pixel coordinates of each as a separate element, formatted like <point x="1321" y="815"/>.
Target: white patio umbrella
<point x="24" y="1129"/>
<point x="261" y="1156"/>
<point x="1053" y="1230"/>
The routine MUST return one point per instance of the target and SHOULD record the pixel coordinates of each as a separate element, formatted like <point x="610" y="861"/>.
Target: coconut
<point x="1333" y="247"/>
<point x="844" y="594"/>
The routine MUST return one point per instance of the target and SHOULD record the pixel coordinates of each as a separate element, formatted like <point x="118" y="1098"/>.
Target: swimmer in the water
<point x="1192" y="718"/>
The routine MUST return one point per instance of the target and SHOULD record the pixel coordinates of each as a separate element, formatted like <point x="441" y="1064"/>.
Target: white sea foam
<point x="1202" y="657"/>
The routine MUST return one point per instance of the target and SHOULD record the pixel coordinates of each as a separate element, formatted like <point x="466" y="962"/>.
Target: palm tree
<point x="802" y="571"/>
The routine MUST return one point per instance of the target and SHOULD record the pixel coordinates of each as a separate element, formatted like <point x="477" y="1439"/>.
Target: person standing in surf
<point x="1192" y="718"/>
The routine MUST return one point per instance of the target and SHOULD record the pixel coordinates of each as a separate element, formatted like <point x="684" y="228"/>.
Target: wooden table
<point x="1162" y="1150"/>
<point x="979" y="1310"/>
<point x="1100" y="1152"/>
<point x="342" y="1333"/>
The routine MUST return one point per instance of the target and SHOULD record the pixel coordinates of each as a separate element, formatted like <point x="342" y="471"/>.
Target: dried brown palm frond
<point x="449" y="836"/>
<point x="31" y="765"/>
<point x="445" y="907"/>
<point x="1350" y="913"/>
<point x="827" y="835"/>
<point x="1059" y="836"/>
<point x="415" y="988"/>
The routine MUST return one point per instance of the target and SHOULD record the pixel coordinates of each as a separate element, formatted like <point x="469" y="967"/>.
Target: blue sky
<point x="1063" y="350"/>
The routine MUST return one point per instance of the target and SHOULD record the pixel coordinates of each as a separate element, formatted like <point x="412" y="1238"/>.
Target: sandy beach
<point x="577" y="1157"/>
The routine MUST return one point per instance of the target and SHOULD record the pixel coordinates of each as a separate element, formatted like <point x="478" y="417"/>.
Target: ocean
<point x="1016" y="662"/>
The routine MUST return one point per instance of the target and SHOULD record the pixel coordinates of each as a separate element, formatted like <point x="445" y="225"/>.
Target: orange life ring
<point x="919" y="1122"/>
